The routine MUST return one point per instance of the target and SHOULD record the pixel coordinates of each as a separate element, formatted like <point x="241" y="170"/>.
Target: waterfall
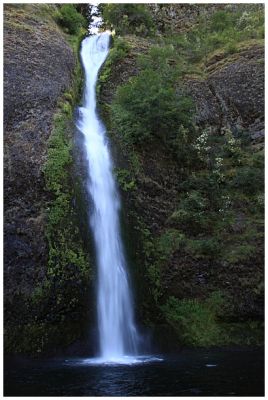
<point x="117" y="332"/>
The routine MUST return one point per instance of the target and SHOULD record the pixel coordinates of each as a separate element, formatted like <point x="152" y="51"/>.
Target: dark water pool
<point x="233" y="372"/>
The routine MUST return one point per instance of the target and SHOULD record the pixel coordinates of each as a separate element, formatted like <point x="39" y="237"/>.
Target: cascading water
<point x="117" y="332"/>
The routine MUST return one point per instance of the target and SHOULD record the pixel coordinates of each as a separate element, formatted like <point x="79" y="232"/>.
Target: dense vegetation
<point x="217" y="213"/>
<point x="128" y="18"/>
<point x="69" y="18"/>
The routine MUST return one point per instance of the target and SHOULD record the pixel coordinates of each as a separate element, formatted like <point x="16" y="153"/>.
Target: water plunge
<point x="118" y="335"/>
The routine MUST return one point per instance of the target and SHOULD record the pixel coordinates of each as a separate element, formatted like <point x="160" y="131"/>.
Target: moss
<point x="119" y="50"/>
<point x="203" y="248"/>
<point x="195" y="320"/>
<point x="126" y="182"/>
<point x="39" y="337"/>
<point x="59" y="306"/>
<point x="171" y="240"/>
<point x="198" y="323"/>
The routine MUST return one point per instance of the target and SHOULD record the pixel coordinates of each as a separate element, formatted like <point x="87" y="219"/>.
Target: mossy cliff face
<point x="193" y="196"/>
<point x="47" y="270"/>
<point x="179" y="18"/>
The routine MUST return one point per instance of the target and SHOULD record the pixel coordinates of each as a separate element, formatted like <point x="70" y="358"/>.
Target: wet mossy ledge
<point x="193" y="189"/>
<point x="57" y="311"/>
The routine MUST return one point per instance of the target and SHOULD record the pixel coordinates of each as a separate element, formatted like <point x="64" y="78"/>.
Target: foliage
<point x="68" y="17"/>
<point x="239" y="252"/>
<point x="198" y="323"/>
<point x="217" y="215"/>
<point x="149" y="107"/>
<point x="248" y="179"/>
<point x="170" y="241"/>
<point x="64" y="289"/>
<point x="59" y="157"/>
<point x="195" y="320"/>
<point x="62" y="234"/>
<point x="124" y="179"/>
<point x="200" y="248"/>
<point x="224" y="31"/>
<point x="118" y="52"/>
<point x="128" y="18"/>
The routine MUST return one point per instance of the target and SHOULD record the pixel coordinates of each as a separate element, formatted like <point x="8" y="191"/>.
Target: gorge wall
<point x="196" y="246"/>
<point x="190" y="175"/>
<point x="46" y="275"/>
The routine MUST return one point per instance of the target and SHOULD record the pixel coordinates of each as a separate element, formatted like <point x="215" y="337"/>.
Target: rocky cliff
<point x="191" y="176"/>
<point x="41" y="83"/>
<point x="38" y="69"/>
<point x="195" y="245"/>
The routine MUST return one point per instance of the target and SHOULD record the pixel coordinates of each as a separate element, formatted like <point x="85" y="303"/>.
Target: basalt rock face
<point x="232" y="94"/>
<point x="181" y="17"/>
<point x="38" y="66"/>
<point x="229" y="96"/>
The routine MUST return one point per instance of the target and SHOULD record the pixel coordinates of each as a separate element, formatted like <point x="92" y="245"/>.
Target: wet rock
<point x="38" y="65"/>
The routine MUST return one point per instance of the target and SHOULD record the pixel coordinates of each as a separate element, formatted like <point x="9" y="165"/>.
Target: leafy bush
<point x="220" y="21"/>
<point x="204" y="248"/>
<point x="195" y="320"/>
<point x="192" y="214"/>
<point x="125" y="179"/>
<point x="249" y="180"/>
<point x="235" y="253"/>
<point x="158" y="59"/>
<point x="69" y="18"/>
<point x="148" y="107"/>
<point x="169" y="242"/>
<point x="128" y="18"/>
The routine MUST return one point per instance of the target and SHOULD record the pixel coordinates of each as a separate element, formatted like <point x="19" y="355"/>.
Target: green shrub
<point x="204" y="248"/>
<point x="148" y="107"/>
<point x="235" y="252"/>
<point x="220" y="21"/>
<point x="69" y="18"/>
<point x="151" y="105"/>
<point x="195" y="320"/>
<point x="249" y="180"/>
<point x="126" y="182"/>
<point x="170" y="241"/>
<point x="192" y="215"/>
<point x="128" y="18"/>
<point x="158" y="59"/>
<point x="231" y="48"/>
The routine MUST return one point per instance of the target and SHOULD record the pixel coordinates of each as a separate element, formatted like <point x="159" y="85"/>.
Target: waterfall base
<point x="124" y="360"/>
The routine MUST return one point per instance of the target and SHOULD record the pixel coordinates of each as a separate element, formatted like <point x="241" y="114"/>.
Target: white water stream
<point x="117" y="332"/>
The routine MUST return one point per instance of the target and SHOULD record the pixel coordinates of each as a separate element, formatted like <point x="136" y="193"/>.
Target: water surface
<point x="232" y="372"/>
